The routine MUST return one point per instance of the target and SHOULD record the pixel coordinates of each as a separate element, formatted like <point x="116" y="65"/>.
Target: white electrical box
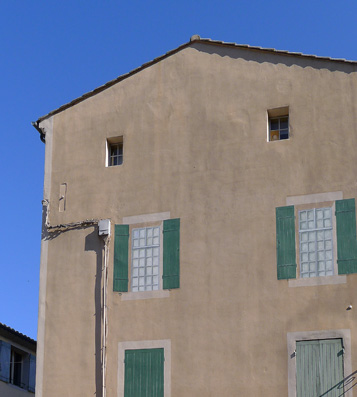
<point x="104" y="227"/>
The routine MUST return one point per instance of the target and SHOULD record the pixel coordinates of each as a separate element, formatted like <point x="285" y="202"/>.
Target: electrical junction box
<point x="104" y="227"/>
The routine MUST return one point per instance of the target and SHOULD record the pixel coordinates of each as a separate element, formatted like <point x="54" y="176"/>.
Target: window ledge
<point x="129" y="296"/>
<point x="314" y="281"/>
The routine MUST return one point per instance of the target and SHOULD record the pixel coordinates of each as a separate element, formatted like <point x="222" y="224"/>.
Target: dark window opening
<point x="16" y="368"/>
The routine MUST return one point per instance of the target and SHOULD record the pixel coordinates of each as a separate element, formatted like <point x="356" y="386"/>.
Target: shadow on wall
<point x="266" y="55"/>
<point x="94" y="243"/>
<point x="342" y="387"/>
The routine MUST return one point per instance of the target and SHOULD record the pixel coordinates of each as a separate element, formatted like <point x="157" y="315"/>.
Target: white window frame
<point x="141" y="221"/>
<point x="278" y="113"/>
<point x="146" y="344"/>
<point x="344" y="334"/>
<point x="316" y="201"/>
<point x="118" y="140"/>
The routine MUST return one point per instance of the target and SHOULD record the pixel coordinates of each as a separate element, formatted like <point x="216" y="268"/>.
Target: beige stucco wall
<point x="195" y="144"/>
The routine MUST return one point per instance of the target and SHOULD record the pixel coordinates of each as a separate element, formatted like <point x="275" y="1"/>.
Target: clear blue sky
<point x="54" y="51"/>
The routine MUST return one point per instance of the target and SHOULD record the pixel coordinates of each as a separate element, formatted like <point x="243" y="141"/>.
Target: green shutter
<point x="120" y="282"/>
<point x="171" y="265"/>
<point x="285" y="242"/>
<point x="346" y="236"/>
<point x="319" y="368"/>
<point x="144" y="373"/>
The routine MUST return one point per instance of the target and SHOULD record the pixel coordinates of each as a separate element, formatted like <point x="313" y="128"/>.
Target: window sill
<point x="129" y="296"/>
<point x="314" y="281"/>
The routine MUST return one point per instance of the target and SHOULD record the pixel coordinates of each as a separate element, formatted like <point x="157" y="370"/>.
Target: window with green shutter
<point x="144" y="373"/>
<point x="317" y="230"/>
<point x="155" y="257"/>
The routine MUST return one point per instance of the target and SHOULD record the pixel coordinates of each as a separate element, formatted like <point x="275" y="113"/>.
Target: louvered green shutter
<point x="120" y="282"/>
<point x="144" y="373"/>
<point x="171" y="265"/>
<point x="346" y="236"/>
<point x="319" y="368"/>
<point x="285" y="242"/>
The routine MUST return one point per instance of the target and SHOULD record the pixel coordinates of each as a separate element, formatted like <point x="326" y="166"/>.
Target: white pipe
<point x="105" y="318"/>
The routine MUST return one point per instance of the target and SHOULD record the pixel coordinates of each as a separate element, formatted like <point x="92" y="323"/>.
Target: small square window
<point x="114" y="151"/>
<point x="278" y="124"/>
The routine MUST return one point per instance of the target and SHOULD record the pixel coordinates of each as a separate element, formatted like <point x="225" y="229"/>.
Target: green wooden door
<point x="144" y="373"/>
<point x="319" y="368"/>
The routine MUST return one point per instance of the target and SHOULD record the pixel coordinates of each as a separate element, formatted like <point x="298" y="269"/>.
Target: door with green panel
<point x="319" y="368"/>
<point x="144" y="373"/>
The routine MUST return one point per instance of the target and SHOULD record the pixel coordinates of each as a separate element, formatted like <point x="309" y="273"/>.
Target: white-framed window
<point x="316" y="242"/>
<point x="145" y="259"/>
<point x="278" y="124"/>
<point x="114" y="151"/>
<point x="279" y="128"/>
<point x="307" y="252"/>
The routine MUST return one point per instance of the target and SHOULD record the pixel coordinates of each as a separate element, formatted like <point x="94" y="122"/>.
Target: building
<point x="17" y="363"/>
<point x="228" y="175"/>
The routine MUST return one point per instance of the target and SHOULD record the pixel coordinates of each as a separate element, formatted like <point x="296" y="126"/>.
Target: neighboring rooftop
<point x="193" y="39"/>
<point x="16" y="336"/>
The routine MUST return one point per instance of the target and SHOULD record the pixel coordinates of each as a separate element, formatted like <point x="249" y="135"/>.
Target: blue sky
<point x="54" y="51"/>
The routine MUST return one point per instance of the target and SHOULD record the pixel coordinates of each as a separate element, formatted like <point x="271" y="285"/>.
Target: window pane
<point x="274" y="124"/>
<point x="284" y="123"/>
<point x="312" y="256"/>
<point x="327" y="222"/>
<point x="317" y="242"/>
<point x="284" y="134"/>
<point x="320" y="223"/>
<point x="146" y="247"/>
<point x="320" y="245"/>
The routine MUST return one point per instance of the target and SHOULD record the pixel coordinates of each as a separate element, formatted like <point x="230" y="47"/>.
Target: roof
<point x="18" y="337"/>
<point x="194" y="39"/>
